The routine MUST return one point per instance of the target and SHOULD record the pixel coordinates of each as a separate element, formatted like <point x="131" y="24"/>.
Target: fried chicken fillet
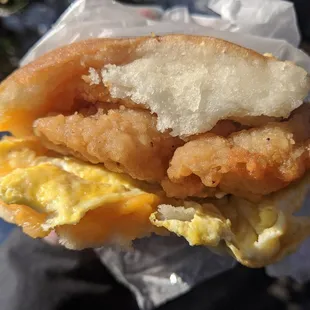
<point x="125" y="140"/>
<point x="115" y="139"/>
<point x="249" y="163"/>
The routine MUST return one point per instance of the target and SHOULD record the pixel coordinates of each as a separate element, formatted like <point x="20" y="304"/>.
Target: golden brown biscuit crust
<point x="52" y="82"/>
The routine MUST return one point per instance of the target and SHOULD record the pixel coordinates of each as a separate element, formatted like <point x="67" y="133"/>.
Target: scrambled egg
<point x="56" y="193"/>
<point x="256" y="234"/>
<point x="88" y="206"/>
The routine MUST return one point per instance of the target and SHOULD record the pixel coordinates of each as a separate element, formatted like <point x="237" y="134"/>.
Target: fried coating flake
<point x="250" y="163"/>
<point x="124" y="140"/>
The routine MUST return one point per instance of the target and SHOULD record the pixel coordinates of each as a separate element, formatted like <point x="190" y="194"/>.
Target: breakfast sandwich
<point x="117" y="139"/>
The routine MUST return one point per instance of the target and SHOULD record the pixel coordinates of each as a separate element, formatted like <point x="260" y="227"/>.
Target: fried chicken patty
<point x="249" y="163"/>
<point x="124" y="140"/>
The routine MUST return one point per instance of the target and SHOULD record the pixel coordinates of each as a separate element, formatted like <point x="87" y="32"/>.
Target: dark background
<point x="23" y="22"/>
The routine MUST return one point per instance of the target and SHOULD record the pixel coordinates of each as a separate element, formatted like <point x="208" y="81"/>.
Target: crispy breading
<point x="123" y="140"/>
<point x="249" y="163"/>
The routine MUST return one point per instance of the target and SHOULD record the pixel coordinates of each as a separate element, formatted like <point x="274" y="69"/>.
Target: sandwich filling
<point x="209" y="141"/>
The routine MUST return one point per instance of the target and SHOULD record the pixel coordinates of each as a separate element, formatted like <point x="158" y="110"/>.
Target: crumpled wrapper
<point x="158" y="269"/>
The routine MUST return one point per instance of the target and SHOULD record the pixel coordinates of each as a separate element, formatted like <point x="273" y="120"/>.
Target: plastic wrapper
<point x="161" y="268"/>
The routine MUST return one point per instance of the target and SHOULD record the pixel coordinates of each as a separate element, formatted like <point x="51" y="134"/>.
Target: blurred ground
<point x="22" y="23"/>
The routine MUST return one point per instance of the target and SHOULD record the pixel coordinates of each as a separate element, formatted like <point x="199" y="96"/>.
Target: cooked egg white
<point x="88" y="206"/>
<point x="58" y="192"/>
<point x="256" y="234"/>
